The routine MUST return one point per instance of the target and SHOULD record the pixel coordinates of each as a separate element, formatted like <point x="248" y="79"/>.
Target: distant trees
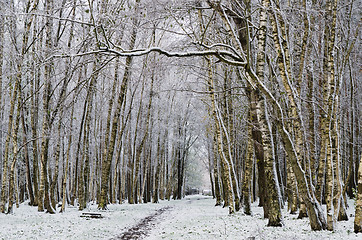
<point x="98" y="103"/>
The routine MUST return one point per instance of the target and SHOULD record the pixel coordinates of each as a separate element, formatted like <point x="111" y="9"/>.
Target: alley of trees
<point x="111" y="101"/>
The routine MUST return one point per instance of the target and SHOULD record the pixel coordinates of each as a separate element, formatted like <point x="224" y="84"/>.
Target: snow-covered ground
<point x="27" y="223"/>
<point x="194" y="217"/>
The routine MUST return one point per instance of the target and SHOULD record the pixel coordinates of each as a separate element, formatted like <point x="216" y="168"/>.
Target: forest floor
<point x="194" y="217"/>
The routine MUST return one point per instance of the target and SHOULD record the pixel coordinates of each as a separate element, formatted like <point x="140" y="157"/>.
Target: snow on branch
<point x="223" y="55"/>
<point x="231" y="57"/>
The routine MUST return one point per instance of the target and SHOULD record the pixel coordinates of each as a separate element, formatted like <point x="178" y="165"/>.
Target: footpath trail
<point x="143" y="227"/>
<point x="146" y="225"/>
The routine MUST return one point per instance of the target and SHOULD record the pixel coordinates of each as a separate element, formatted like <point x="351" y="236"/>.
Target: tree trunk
<point x="66" y="166"/>
<point x="155" y="196"/>
<point x="44" y="200"/>
<point x="358" y="213"/>
<point x="216" y="172"/>
<point x="15" y="130"/>
<point x="272" y="203"/>
<point x="26" y="159"/>
<point x="142" y="143"/>
<point x="225" y="169"/>
<point x="83" y="184"/>
<point x="54" y="181"/>
<point x="248" y="170"/>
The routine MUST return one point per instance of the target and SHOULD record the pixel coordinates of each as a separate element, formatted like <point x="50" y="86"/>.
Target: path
<point x="142" y="229"/>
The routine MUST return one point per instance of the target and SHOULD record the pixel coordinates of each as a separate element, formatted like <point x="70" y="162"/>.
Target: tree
<point x="358" y="214"/>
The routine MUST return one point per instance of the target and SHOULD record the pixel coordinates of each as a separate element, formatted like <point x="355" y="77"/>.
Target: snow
<point x="27" y="223"/>
<point x="197" y="218"/>
<point x="194" y="217"/>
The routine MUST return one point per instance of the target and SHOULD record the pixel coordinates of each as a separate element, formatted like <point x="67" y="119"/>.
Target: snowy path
<point x="142" y="229"/>
<point x="194" y="217"/>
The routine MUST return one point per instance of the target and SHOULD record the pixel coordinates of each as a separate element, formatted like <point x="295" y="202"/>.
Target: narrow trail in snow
<point x="141" y="229"/>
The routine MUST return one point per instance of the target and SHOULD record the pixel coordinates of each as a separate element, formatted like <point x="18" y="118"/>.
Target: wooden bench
<point x="91" y="215"/>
